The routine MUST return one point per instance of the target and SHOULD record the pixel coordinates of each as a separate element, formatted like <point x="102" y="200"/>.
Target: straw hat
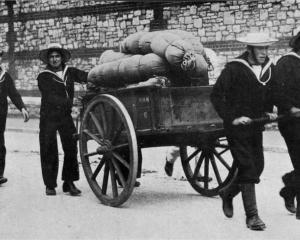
<point x="257" y="39"/>
<point x="66" y="55"/>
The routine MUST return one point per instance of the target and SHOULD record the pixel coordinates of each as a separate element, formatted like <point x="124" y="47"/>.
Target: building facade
<point x="87" y="28"/>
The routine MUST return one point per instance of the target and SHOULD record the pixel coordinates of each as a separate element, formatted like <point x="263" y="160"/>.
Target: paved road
<point x="162" y="208"/>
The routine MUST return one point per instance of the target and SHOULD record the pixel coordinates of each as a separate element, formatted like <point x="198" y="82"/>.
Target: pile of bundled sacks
<point x="173" y="54"/>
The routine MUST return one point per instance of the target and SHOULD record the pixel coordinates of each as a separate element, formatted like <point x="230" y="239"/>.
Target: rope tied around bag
<point x="189" y="61"/>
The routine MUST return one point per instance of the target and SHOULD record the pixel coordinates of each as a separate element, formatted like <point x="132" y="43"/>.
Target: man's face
<point x="55" y="59"/>
<point x="260" y="53"/>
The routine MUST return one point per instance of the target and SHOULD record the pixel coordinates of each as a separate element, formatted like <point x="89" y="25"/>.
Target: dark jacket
<point x="8" y="89"/>
<point x="57" y="94"/>
<point x="238" y="92"/>
<point x="287" y="72"/>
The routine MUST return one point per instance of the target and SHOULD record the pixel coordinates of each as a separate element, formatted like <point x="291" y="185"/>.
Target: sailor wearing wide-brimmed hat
<point x="288" y="78"/>
<point x="242" y="93"/>
<point x="56" y="84"/>
<point x="7" y="89"/>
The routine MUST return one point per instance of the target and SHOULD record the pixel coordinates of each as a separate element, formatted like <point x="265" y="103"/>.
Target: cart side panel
<point x="186" y="107"/>
<point x="140" y="105"/>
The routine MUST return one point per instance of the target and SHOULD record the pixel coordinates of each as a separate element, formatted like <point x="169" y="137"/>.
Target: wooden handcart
<point x="125" y="120"/>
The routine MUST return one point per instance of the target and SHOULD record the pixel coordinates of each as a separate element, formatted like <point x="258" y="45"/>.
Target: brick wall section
<point x="216" y="25"/>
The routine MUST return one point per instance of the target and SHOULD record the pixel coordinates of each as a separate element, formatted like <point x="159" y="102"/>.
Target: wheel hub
<point x="105" y="148"/>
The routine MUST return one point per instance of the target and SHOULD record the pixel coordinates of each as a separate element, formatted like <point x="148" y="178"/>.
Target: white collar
<point x="63" y="75"/>
<point x="263" y="71"/>
<point x="292" y="54"/>
<point x="2" y="76"/>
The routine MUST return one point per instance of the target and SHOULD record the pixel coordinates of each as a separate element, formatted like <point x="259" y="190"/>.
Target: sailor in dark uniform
<point x="56" y="84"/>
<point x="288" y="78"/>
<point x="7" y="89"/>
<point x="243" y="92"/>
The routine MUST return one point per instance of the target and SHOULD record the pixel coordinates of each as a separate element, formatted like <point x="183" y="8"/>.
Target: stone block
<point x="228" y="18"/>
<point x="263" y="15"/>
<point x="290" y="21"/>
<point x="102" y="36"/>
<point x="218" y="36"/>
<point x="135" y="21"/>
<point x="236" y="28"/>
<point x="137" y="13"/>
<point x="193" y="10"/>
<point x="198" y="23"/>
<point x="111" y="23"/>
<point x="215" y="7"/>
<point x="281" y="15"/>
<point x="297" y="14"/>
<point x="201" y="32"/>
<point x="188" y="20"/>
<point x="149" y="14"/>
<point x="287" y="2"/>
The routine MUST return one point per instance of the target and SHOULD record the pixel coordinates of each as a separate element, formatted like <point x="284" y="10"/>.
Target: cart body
<point x="150" y="117"/>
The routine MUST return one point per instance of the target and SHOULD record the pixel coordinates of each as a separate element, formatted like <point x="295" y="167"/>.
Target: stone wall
<point x="89" y="27"/>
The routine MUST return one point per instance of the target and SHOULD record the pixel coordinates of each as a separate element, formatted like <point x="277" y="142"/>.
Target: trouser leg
<point x="2" y="154"/>
<point x="2" y="145"/>
<point x="66" y="129"/>
<point x="291" y="180"/>
<point x="48" y="152"/>
<point x="227" y="194"/>
<point x="249" y="201"/>
<point x="247" y="152"/>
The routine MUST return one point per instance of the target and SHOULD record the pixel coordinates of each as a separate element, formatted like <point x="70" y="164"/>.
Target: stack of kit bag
<point x="175" y="54"/>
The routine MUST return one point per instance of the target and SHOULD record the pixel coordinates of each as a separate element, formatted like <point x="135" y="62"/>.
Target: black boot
<point x="288" y="192"/>
<point x="3" y="180"/>
<point x="71" y="188"/>
<point x="288" y="198"/>
<point x="249" y="199"/>
<point x="169" y="166"/>
<point x="227" y="194"/>
<point x="298" y="206"/>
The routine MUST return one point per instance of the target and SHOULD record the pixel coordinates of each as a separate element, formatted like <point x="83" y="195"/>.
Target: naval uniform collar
<point x="265" y="67"/>
<point x="63" y="79"/>
<point x="2" y="75"/>
<point x="292" y="54"/>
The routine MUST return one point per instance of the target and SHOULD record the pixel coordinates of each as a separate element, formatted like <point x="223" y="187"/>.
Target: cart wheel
<point x="108" y="150"/>
<point x="208" y="168"/>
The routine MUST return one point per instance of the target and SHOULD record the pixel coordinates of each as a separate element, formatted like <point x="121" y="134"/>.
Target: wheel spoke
<point x="113" y="180"/>
<point x="199" y="163"/>
<point x="215" y="168"/>
<point x="94" y="137"/>
<point x="90" y="154"/>
<point x="98" y="169"/>
<point x="103" y="118"/>
<point x="117" y="134"/>
<point x="119" y="172"/>
<point x="120" y="146"/>
<point x="221" y="159"/>
<point x="120" y="159"/>
<point x="97" y="124"/>
<point x="192" y="155"/>
<point x="206" y="172"/>
<point x="113" y="121"/>
<point x="223" y="151"/>
<point x="221" y="145"/>
<point x="105" y="179"/>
